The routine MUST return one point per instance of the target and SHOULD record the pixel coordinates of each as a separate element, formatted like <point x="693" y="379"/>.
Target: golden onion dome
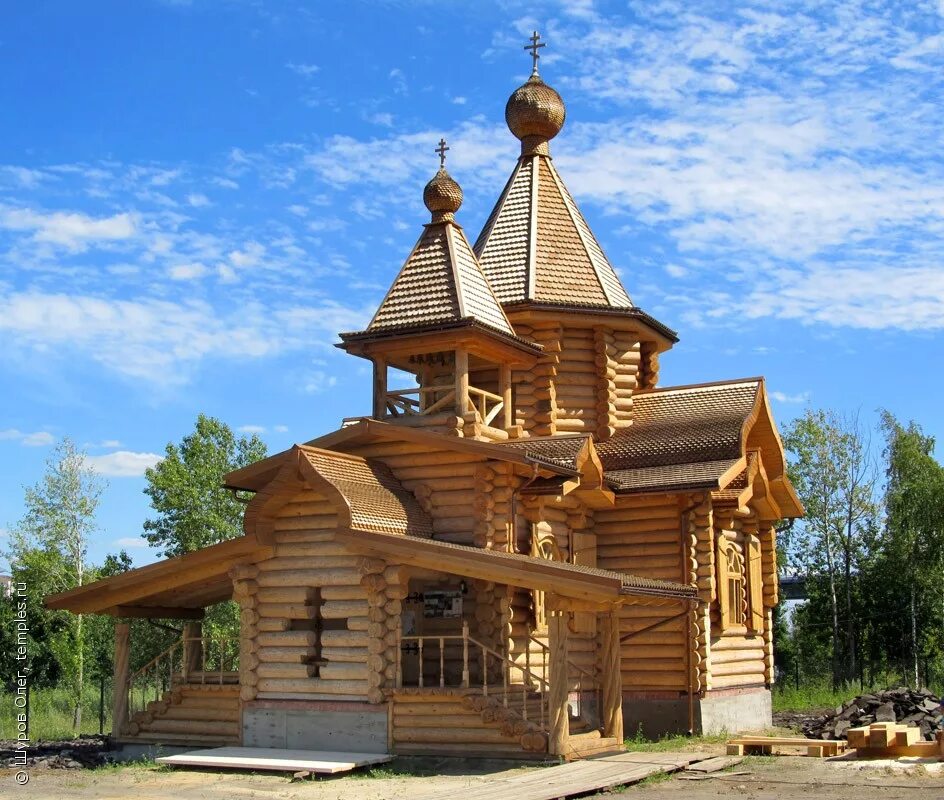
<point x="535" y="113"/>
<point x="442" y="195"/>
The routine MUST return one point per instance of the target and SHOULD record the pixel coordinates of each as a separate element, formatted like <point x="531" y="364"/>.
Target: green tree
<point x="831" y="468"/>
<point x="186" y="488"/>
<point x="914" y="532"/>
<point x="49" y="546"/>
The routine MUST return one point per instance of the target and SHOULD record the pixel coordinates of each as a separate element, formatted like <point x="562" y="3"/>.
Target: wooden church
<point x="528" y="549"/>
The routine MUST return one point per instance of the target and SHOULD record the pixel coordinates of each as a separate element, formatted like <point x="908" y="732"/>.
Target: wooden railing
<point x="189" y="660"/>
<point x="485" y="661"/>
<point x="421" y="401"/>
<point x="588" y="681"/>
<point x="402" y="402"/>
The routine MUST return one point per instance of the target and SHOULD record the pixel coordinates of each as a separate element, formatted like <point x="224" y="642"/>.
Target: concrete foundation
<point x="728" y="711"/>
<point x="316" y="725"/>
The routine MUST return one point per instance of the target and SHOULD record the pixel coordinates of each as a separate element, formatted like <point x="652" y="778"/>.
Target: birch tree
<point x="55" y="532"/>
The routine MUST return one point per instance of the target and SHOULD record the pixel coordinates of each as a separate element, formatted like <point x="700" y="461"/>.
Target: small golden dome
<point x="535" y="112"/>
<point x="442" y="195"/>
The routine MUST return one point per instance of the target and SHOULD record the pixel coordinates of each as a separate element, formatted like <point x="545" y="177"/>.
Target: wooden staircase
<point x="190" y="714"/>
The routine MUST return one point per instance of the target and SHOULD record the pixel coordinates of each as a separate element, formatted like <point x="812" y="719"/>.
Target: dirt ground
<point x="783" y="778"/>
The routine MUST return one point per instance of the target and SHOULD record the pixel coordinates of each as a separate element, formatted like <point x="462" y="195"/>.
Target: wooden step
<point x="202" y="727"/>
<point x="183" y="739"/>
<point x="187" y="711"/>
<point x="591" y="744"/>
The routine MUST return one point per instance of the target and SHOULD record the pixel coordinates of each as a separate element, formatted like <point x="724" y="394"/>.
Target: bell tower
<point x="441" y="324"/>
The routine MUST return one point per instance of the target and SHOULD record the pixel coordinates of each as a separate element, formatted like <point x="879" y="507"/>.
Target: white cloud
<point x="34" y="439"/>
<point x="317" y="382"/>
<point x="187" y="272"/>
<point x="783" y="397"/>
<point x="304" y="70"/>
<point x="383" y="118"/>
<point x="123" y="463"/>
<point x="111" y="443"/>
<point x="251" y="429"/>
<point x="130" y="542"/>
<point x="280" y="428"/>
<point x="71" y="230"/>
<point x="198" y="200"/>
<point x="159" y="341"/>
<point x="459" y="100"/>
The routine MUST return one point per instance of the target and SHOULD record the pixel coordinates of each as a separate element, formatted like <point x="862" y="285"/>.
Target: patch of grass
<point x="51" y="713"/>
<point x="641" y="744"/>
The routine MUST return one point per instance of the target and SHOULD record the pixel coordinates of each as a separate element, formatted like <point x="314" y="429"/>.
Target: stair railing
<point x="488" y="660"/>
<point x="585" y="677"/>
<point x="176" y="665"/>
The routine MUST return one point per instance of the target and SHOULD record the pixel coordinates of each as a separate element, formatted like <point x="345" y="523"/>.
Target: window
<point x="542" y="546"/>
<point x="755" y="583"/>
<point x="731" y="584"/>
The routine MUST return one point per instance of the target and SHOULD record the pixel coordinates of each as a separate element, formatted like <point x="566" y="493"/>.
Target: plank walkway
<point x="322" y="762"/>
<point x="577" y="777"/>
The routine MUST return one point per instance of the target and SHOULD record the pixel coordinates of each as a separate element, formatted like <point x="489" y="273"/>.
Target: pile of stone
<point x="917" y="707"/>
<point x="82" y="753"/>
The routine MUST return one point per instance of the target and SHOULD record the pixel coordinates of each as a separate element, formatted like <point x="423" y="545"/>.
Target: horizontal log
<point x="352" y="592"/>
<point x="342" y="609"/>
<point x="285" y="670"/>
<point x="303" y="536"/>
<point x="437" y="708"/>
<point x="266" y="625"/>
<point x="352" y="655"/>
<point x="287" y="639"/>
<point x="343" y="671"/>
<point x="755" y="668"/>
<point x="295" y="595"/>
<point x="306" y="523"/>
<point x="446" y="735"/>
<point x="310" y="577"/>
<point x="284" y="655"/>
<point x="344" y="638"/>
<point x="292" y="562"/>
<point x="311" y="686"/>
<point x="311" y="550"/>
<point x="287" y="611"/>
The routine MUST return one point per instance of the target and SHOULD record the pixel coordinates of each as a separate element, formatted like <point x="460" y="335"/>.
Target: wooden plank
<point x="323" y="762"/>
<point x="715" y="764"/>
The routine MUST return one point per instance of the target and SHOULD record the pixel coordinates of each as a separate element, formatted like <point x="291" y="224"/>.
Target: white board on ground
<point x="324" y="762"/>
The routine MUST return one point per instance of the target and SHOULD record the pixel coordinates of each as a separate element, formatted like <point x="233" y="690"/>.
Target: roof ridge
<point x="704" y="385"/>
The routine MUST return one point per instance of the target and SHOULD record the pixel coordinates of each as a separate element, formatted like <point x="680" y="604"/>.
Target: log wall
<point x="310" y="582"/>
<point x="642" y="537"/>
<point x="738" y="654"/>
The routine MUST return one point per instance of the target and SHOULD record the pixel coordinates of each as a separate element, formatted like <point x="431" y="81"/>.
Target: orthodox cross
<point x="534" y="47"/>
<point x="442" y="153"/>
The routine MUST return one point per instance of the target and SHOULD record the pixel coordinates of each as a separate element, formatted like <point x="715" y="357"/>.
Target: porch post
<point x="462" y="382"/>
<point x="119" y="704"/>
<point x="612" y="711"/>
<point x="508" y="416"/>
<point x="559" y="728"/>
<point x="380" y="387"/>
<point x="193" y="650"/>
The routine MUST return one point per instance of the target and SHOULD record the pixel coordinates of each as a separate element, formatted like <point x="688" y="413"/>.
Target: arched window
<point x="542" y="546"/>
<point x="732" y="581"/>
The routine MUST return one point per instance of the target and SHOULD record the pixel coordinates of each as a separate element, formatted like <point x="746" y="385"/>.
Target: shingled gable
<point x="441" y="284"/>
<point x="697" y="437"/>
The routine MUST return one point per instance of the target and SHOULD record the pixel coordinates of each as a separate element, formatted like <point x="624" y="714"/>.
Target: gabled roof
<point x="698" y="437"/>
<point x="441" y="282"/>
<point x="536" y="245"/>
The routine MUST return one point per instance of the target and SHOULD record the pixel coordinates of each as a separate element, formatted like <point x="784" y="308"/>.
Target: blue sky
<point x="196" y="196"/>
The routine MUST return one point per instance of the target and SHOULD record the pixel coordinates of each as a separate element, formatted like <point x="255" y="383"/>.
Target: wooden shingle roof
<point x="536" y="245"/>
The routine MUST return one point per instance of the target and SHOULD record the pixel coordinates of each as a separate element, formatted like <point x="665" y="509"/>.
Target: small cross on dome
<point x="534" y="47"/>
<point x="442" y="153"/>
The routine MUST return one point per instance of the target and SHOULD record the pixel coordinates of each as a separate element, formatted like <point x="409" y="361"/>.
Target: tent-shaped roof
<point x="536" y="245"/>
<point x="440" y="283"/>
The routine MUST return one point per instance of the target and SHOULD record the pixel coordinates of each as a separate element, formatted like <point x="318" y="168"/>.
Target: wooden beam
<point x="612" y="694"/>
<point x="508" y="413"/>
<point x="192" y="660"/>
<point x="380" y="387"/>
<point x="462" y="381"/>
<point x="120" y="686"/>
<point x="156" y="612"/>
<point x="558" y="732"/>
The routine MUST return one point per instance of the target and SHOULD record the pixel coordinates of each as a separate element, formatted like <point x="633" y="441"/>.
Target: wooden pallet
<point x="764" y="745"/>
<point x="892" y="740"/>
